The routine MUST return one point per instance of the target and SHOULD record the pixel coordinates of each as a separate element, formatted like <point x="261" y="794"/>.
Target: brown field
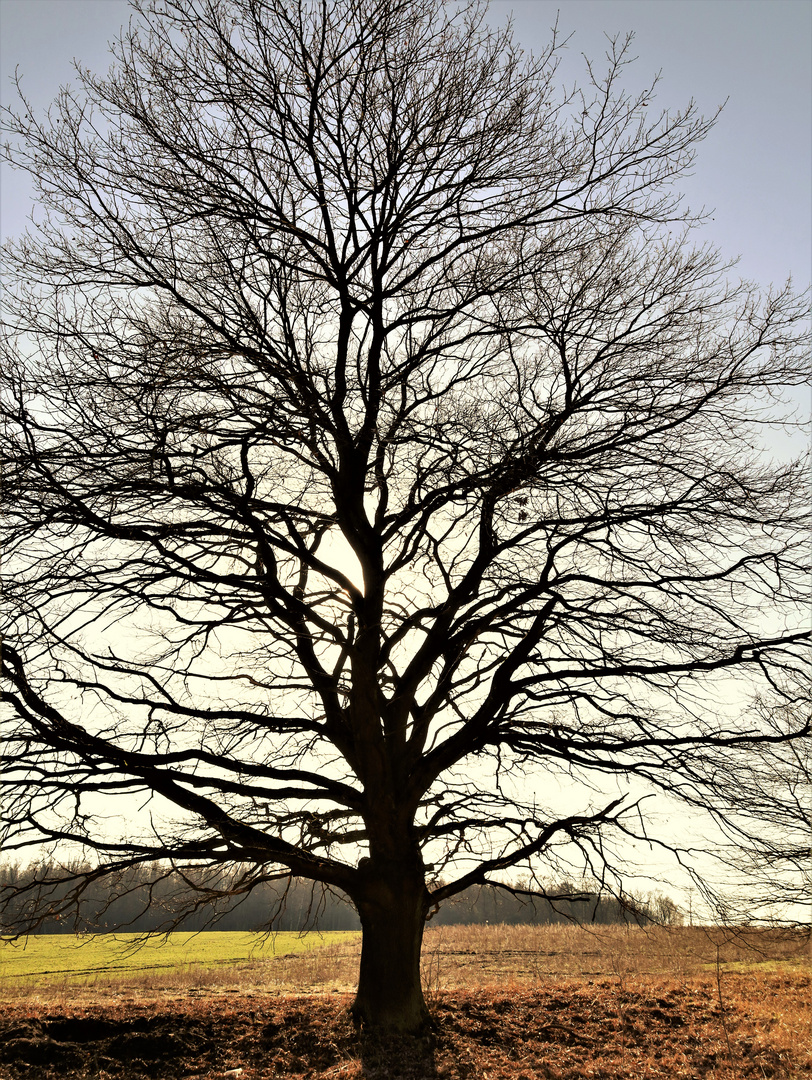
<point x="509" y="1003"/>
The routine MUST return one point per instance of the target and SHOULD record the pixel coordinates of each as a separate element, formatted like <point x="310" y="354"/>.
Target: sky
<point x="754" y="171"/>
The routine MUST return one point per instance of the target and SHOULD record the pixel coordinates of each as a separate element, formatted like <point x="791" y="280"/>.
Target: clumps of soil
<point x="559" y="1032"/>
<point x="106" y="1043"/>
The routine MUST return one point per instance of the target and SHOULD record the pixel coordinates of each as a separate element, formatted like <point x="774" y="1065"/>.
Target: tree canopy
<point x="386" y="500"/>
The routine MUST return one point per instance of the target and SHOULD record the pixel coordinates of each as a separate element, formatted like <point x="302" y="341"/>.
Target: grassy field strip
<point x="52" y="956"/>
<point x="453" y="956"/>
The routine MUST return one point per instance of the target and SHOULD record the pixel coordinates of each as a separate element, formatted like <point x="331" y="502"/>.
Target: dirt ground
<point x="508" y="1003"/>
<point x="605" y="1028"/>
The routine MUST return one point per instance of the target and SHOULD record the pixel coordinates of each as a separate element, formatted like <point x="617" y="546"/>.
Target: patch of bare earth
<point x="567" y="1030"/>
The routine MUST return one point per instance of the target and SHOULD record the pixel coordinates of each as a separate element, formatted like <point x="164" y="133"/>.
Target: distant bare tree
<point x="382" y="487"/>
<point x="766" y="811"/>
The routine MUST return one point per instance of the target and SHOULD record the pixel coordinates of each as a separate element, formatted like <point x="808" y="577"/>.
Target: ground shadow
<point x="392" y="1057"/>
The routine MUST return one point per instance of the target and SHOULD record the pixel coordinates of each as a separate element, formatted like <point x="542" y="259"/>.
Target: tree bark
<point x="392" y="909"/>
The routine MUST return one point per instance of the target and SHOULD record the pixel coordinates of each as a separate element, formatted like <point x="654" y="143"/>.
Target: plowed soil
<point x="565" y="1030"/>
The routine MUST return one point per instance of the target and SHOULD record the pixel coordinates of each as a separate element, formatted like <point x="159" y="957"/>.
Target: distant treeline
<point x="155" y="897"/>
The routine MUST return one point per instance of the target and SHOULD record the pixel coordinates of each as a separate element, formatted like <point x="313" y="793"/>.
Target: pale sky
<point x="754" y="171"/>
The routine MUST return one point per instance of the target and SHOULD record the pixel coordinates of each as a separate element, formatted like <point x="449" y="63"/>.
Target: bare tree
<point x="383" y="496"/>
<point x="766" y="811"/>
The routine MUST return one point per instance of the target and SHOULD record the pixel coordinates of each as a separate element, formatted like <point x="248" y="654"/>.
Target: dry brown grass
<point x="484" y="955"/>
<point x="509" y="1003"/>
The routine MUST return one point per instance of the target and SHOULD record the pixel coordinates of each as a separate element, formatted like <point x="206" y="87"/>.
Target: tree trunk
<point x="393" y="912"/>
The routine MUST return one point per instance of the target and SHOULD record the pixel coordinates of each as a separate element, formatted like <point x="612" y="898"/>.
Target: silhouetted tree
<point x="383" y="503"/>
<point x="768" y="848"/>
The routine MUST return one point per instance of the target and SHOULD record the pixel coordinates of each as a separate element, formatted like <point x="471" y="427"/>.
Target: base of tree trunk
<point x="389" y="999"/>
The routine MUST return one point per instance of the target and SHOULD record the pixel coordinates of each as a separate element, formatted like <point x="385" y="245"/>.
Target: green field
<point x="49" y="957"/>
